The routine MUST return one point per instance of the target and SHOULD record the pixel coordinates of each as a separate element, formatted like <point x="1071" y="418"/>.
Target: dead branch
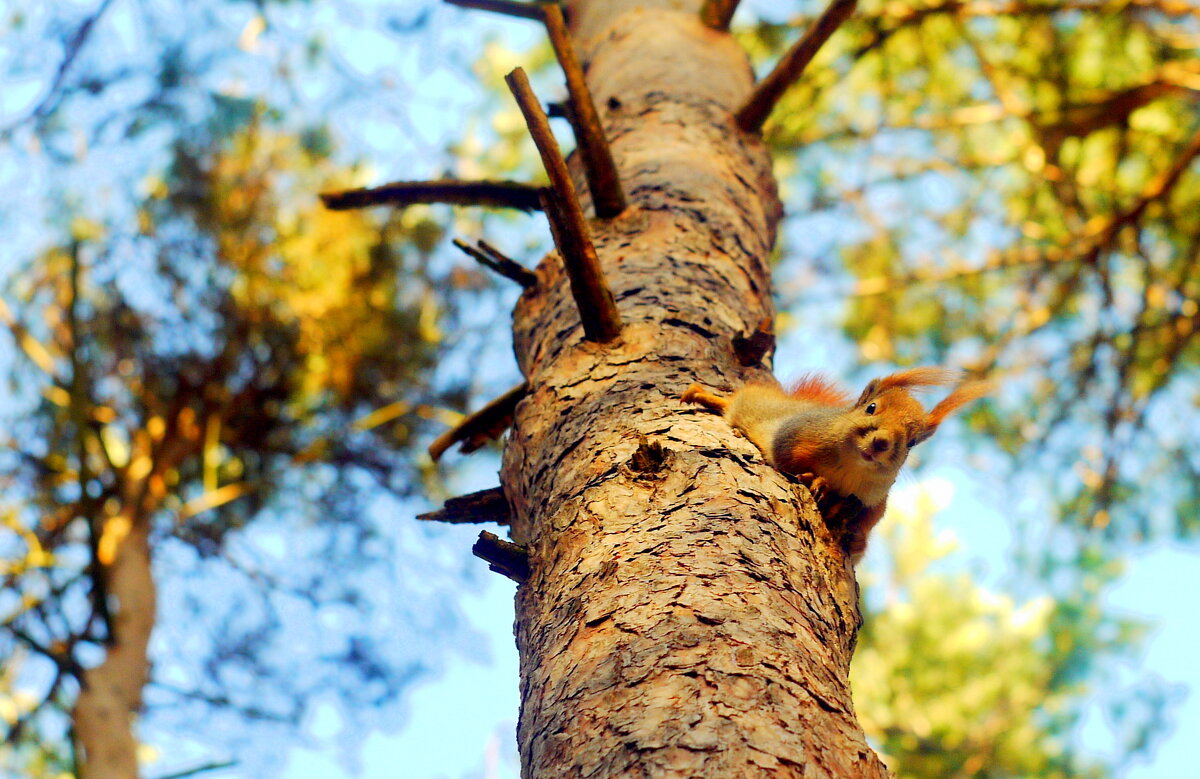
<point x="497" y="194"/>
<point x="752" y="348"/>
<point x="597" y="309"/>
<point x="751" y="116"/>
<point x="484" y="506"/>
<point x="506" y="7"/>
<point x="598" y="165"/>
<point x="482" y="426"/>
<point x="716" y="14"/>
<point x="503" y="557"/>
<point x="489" y="257"/>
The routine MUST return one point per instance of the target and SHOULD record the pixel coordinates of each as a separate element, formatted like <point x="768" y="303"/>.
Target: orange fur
<point x="916" y="378"/>
<point x="843" y="449"/>
<point x="800" y="457"/>
<point x="700" y="396"/>
<point x="819" y="390"/>
<point x="860" y="527"/>
<point x="960" y="397"/>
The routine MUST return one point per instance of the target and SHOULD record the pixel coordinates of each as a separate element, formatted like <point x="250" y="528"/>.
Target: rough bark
<point x="687" y="613"/>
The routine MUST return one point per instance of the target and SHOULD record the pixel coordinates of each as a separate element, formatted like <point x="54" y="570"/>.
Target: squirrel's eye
<point x="870" y="408"/>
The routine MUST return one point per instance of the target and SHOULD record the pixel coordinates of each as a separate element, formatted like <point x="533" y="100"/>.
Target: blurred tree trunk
<point x="687" y="614"/>
<point x="110" y="696"/>
<point x="111" y="693"/>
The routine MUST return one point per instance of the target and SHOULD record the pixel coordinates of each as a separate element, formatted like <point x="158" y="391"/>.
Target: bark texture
<point x="687" y="613"/>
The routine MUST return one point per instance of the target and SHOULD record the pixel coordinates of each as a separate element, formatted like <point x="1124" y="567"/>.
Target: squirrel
<point x="848" y="454"/>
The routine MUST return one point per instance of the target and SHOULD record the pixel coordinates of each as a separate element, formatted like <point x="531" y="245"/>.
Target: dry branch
<point x="489" y="257"/>
<point x="498" y="194"/>
<point x="507" y="7"/>
<point x="716" y="14"/>
<point x="597" y="309"/>
<point x="751" y="349"/>
<point x="598" y="165"/>
<point x="483" y="506"/>
<point x="502" y="556"/>
<point x="485" y="424"/>
<point x="751" y="116"/>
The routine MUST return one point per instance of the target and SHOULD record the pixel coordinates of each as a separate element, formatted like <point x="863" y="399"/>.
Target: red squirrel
<point x="853" y="449"/>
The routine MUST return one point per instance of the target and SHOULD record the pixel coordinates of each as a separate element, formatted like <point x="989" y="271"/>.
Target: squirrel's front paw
<point x="817" y="486"/>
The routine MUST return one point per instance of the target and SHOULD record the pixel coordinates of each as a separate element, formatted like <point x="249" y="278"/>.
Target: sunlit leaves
<point x="951" y="679"/>
<point x="1067" y="134"/>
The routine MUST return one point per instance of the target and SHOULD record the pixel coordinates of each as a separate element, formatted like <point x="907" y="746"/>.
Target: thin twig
<point x="200" y="769"/>
<point x="503" y="557"/>
<point x="1078" y="246"/>
<point x="487" y="256"/>
<point x="716" y="14"/>
<point x="598" y="165"/>
<point x="72" y="48"/>
<point x="497" y="194"/>
<point x="597" y="309"/>
<point x="484" y="506"/>
<point x="506" y="7"/>
<point x="752" y="115"/>
<point x="484" y="425"/>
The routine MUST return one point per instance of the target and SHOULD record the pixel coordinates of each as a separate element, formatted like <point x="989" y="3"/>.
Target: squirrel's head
<point x="887" y="421"/>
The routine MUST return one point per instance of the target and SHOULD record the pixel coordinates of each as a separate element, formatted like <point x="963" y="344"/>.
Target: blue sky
<point x="460" y="723"/>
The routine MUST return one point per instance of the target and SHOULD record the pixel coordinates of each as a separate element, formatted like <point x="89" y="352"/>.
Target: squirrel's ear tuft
<point x="962" y="395"/>
<point x="916" y="378"/>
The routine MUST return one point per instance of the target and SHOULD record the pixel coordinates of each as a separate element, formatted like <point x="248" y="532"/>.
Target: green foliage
<point x="1022" y="193"/>
<point x="243" y="346"/>
<point x="952" y="679"/>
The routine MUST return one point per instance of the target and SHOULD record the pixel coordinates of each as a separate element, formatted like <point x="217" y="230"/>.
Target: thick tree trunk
<point x="691" y="617"/>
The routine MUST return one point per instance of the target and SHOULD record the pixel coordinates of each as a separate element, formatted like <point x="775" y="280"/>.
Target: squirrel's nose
<point x="880" y="444"/>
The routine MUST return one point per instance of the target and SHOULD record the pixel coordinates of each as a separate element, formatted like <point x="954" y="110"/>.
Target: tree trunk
<point x="111" y="693"/>
<point x="690" y="616"/>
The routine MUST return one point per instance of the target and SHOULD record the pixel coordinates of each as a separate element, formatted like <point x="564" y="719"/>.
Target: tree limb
<point x="485" y="424"/>
<point x="496" y="194"/>
<point x="484" y="506"/>
<point x="597" y="309"/>
<point x="754" y="112"/>
<point x="507" y="7"/>
<point x="598" y="165"/>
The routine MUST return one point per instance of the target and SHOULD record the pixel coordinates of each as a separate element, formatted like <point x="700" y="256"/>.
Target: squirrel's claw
<point x="817" y="486"/>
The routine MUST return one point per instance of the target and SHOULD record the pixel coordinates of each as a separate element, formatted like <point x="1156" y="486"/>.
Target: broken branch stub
<point x="496" y="194"/>
<point x="597" y="308"/>
<point x="503" y="557"/>
<point x="484" y="506"/>
<point x="506" y="7"/>
<point x="754" y="112"/>
<point x="605" y="185"/>
<point x="485" y="424"/>
<point x="716" y="14"/>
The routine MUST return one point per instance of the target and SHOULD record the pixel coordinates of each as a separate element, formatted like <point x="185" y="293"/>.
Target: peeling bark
<point x="687" y="612"/>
